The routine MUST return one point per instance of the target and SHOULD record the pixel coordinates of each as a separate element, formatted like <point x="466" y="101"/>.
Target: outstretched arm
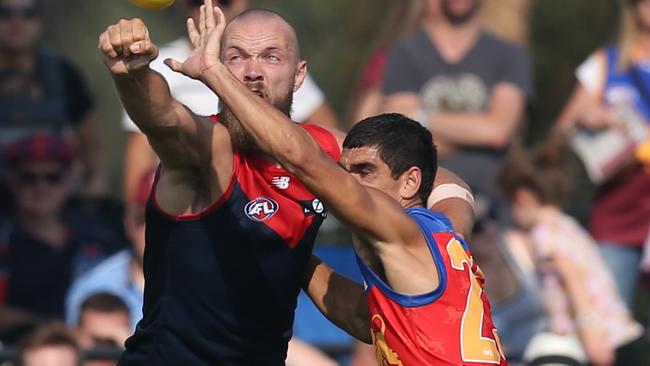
<point x="180" y="138"/>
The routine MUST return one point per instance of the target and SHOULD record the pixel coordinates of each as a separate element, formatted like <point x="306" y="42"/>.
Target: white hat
<point x="549" y="349"/>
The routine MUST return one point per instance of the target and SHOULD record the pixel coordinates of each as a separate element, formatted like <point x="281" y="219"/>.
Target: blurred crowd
<point x="562" y="289"/>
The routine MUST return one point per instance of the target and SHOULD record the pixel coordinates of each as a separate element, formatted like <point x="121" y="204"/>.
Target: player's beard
<point x="241" y="140"/>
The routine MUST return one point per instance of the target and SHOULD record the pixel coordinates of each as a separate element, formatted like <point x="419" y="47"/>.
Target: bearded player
<point x="425" y="296"/>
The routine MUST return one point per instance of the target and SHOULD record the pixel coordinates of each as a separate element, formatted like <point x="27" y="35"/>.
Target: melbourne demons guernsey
<point x="222" y="285"/>
<point x="451" y="325"/>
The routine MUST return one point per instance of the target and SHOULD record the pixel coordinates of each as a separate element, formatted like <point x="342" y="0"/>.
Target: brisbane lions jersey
<point x="222" y="285"/>
<point x="451" y="325"/>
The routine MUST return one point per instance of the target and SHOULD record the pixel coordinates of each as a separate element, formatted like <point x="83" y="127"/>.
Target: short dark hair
<point x="48" y="335"/>
<point x="105" y="303"/>
<point x="402" y="143"/>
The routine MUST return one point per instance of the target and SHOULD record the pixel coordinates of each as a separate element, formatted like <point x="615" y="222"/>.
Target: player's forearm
<point x="340" y="299"/>
<point x="146" y="98"/>
<point x="274" y="133"/>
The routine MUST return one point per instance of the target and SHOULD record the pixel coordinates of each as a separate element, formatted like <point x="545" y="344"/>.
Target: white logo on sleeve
<point x="281" y="182"/>
<point x="261" y="209"/>
<point x="317" y="205"/>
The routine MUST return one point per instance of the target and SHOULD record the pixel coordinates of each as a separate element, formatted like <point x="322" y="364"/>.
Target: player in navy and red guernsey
<point x="426" y="304"/>
<point x="229" y="232"/>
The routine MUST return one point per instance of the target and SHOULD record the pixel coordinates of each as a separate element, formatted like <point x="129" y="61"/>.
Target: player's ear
<point x="411" y="182"/>
<point x="301" y="73"/>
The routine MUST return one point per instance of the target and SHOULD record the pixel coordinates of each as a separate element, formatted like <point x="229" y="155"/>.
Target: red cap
<point x="39" y="147"/>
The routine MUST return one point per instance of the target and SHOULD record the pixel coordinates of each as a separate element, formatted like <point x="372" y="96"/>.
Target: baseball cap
<point x="39" y="147"/>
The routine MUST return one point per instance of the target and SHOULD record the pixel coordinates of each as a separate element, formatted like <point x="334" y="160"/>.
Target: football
<point x="152" y="4"/>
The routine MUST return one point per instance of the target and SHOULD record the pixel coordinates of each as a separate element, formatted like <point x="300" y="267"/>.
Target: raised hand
<point x="126" y="46"/>
<point x="206" y="42"/>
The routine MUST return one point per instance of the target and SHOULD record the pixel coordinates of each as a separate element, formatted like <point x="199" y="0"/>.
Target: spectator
<point x="121" y="274"/>
<point x="49" y="345"/>
<point x="403" y="19"/>
<point x="44" y="246"/>
<point x="309" y="104"/>
<point x="612" y="77"/>
<point x="104" y="325"/>
<point x="467" y="86"/>
<point x="579" y="295"/>
<point x="39" y="90"/>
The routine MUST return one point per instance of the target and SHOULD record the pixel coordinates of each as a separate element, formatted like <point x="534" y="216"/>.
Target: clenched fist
<point x="126" y="46"/>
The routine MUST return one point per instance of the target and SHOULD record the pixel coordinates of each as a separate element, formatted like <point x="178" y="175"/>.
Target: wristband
<point x="449" y="190"/>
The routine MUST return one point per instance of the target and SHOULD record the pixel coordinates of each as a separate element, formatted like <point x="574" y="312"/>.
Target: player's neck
<point x="412" y="203"/>
<point x="453" y="41"/>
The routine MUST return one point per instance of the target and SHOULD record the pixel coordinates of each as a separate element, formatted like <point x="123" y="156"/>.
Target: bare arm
<point x="492" y="128"/>
<point x="181" y="139"/>
<point x="340" y="299"/>
<point x="582" y="108"/>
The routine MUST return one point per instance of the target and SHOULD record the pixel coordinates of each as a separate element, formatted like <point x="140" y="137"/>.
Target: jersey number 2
<point x="474" y="346"/>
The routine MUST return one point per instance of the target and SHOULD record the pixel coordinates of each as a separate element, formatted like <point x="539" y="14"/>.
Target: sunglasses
<point x="31" y="178"/>
<point x="24" y="12"/>
<point x="101" y="342"/>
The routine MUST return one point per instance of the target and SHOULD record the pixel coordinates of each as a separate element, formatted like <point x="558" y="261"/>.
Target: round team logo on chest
<point x="261" y="209"/>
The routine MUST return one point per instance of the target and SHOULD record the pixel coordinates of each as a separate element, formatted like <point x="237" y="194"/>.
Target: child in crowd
<point x="579" y="294"/>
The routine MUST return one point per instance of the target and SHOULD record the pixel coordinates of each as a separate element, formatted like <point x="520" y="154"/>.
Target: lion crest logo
<point x="385" y="355"/>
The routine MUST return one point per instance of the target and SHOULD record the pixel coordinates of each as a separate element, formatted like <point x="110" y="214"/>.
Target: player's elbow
<point x="297" y="155"/>
<point x="293" y="158"/>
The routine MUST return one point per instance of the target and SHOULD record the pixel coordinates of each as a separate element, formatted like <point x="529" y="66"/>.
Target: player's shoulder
<point x="435" y="221"/>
